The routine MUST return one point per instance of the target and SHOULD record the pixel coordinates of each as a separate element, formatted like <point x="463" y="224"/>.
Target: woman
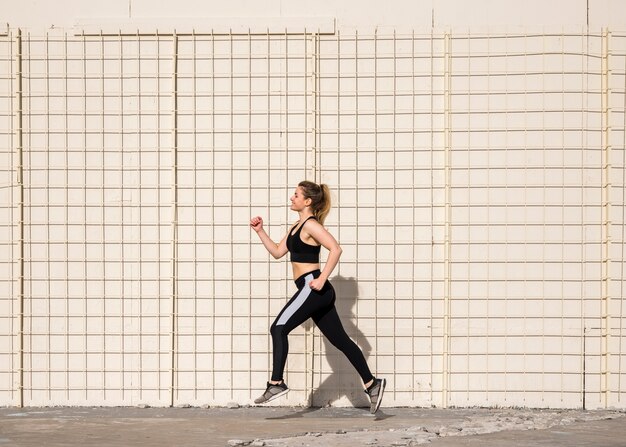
<point x="315" y="297"/>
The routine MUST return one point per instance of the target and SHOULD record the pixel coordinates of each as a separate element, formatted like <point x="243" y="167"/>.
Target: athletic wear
<point x="272" y="392"/>
<point x="319" y="305"/>
<point x="301" y="251"/>
<point x="375" y="392"/>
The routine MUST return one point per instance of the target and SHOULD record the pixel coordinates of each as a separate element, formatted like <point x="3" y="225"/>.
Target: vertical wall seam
<point x="174" y="215"/>
<point x="317" y="106"/>
<point x="585" y="139"/>
<point x="317" y="177"/>
<point x="446" y="294"/>
<point x="606" y="223"/>
<point x="20" y="185"/>
<point x="621" y="276"/>
<point x="310" y="93"/>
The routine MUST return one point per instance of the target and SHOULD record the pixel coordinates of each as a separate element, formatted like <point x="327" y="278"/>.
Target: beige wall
<point x="478" y="177"/>
<point x="350" y="14"/>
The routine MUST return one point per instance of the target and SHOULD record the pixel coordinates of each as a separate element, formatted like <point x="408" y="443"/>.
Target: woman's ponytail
<point x="320" y="198"/>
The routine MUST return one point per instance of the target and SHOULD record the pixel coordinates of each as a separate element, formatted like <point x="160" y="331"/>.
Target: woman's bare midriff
<point x="300" y="268"/>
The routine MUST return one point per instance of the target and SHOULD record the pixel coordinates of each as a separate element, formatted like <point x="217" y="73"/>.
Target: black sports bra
<point x="301" y="251"/>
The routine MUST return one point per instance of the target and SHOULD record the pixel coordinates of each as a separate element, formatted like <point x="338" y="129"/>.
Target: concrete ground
<point x="283" y="427"/>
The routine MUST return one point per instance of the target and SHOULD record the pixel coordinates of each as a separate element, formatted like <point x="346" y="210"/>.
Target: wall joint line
<point x="174" y="253"/>
<point x="20" y="185"/>
<point x="605" y="317"/>
<point x="445" y="372"/>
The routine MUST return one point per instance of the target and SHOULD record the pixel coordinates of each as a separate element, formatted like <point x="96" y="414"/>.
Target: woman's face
<point x="298" y="202"/>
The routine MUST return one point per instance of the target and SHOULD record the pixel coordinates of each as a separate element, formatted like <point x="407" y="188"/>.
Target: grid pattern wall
<point x="525" y="189"/>
<point x="617" y="218"/>
<point x="9" y="225"/>
<point x="473" y="180"/>
<point x="245" y="113"/>
<point x="478" y="183"/>
<point x="381" y="146"/>
<point x="98" y="220"/>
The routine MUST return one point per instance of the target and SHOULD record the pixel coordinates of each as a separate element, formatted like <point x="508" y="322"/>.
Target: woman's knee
<point x="277" y="331"/>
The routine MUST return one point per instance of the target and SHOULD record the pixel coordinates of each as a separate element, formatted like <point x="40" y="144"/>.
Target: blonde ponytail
<point x="320" y="198"/>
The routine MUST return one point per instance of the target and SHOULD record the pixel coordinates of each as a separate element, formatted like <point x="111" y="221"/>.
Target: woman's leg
<point x="330" y="325"/>
<point x="299" y="309"/>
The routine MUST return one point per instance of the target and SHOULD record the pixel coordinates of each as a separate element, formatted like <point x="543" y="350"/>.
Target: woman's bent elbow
<point x="278" y="254"/>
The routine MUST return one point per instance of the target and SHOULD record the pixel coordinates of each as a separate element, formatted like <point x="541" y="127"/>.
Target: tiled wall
<point x="478" y="182"/>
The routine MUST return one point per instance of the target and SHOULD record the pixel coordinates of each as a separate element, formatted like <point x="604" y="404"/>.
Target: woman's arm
<point x="321" y="235"/>
<point x="276" y="250"/>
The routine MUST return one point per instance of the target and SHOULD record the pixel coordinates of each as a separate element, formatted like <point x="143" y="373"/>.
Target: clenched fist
<point x="256" y="223"/>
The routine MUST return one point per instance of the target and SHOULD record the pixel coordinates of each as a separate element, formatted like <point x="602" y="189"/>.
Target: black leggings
<point x="319" y="305"/>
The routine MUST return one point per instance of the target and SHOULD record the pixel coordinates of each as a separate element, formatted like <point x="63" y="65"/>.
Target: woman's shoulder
<point x="312" y="222"/>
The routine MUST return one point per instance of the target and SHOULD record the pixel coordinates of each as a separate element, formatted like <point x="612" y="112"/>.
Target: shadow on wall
<point x="343" y="381"/>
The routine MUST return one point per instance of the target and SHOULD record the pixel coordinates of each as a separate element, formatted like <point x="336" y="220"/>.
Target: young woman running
<point x="315" y="297"/>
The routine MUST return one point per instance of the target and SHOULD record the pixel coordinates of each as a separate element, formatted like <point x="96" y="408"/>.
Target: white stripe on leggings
<point x="297" y="303"/>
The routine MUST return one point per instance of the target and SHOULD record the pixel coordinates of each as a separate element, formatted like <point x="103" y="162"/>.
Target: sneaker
<point x="272" y="392"/>
<point x="375" y="392"/>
